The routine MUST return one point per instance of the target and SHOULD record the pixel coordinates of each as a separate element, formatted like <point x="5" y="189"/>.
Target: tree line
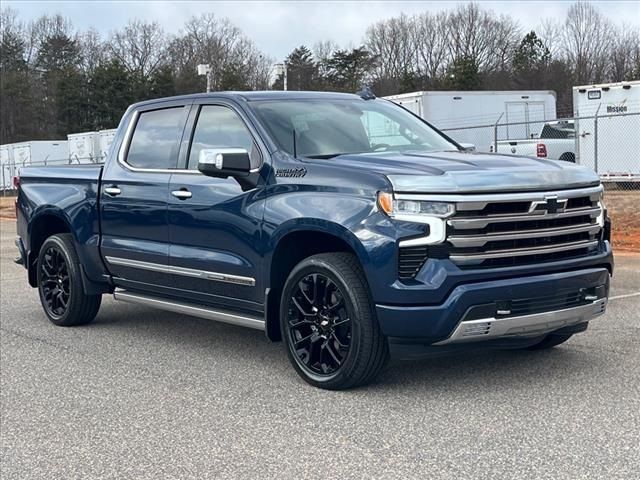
<point x="55" y="79"/>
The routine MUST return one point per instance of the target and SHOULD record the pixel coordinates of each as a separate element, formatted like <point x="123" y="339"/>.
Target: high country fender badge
<point x="291" y="172"/>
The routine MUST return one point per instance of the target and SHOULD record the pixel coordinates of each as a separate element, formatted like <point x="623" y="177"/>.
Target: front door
<point x="215" y="223"/>
<point x="134" y="197"/>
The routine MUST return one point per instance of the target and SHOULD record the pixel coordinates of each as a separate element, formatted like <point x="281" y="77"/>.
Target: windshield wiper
<point x="324" y="157"/>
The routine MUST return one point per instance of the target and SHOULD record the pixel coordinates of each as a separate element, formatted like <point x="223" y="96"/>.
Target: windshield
<point x="325" y="128"/>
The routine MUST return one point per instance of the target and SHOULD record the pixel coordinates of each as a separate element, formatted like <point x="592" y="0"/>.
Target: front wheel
<point x="60" y="286"/>
<point x="328" y="323"/>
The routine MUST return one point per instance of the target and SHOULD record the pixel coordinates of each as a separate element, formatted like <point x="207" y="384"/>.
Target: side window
<point x="221" y="127"/>
<point x="156" y="138"/>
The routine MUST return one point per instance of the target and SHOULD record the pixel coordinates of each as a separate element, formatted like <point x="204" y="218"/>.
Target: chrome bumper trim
<point x="525" y="325"/>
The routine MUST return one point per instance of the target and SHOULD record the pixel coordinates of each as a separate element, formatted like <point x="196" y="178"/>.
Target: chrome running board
<point x="225" y="316"/>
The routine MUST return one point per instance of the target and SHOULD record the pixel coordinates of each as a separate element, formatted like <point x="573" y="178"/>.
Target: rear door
<point x="134" y="194"/>
<point x="215" y="224"/>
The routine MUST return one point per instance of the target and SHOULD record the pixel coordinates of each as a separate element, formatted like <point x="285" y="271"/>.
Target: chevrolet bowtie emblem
<point x="552" y="205"/>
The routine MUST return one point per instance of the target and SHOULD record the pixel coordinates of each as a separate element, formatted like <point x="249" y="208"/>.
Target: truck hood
<point x="463" y="172"/>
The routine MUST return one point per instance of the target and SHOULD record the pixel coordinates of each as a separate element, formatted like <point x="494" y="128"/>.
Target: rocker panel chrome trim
<point x="187" y="272"/>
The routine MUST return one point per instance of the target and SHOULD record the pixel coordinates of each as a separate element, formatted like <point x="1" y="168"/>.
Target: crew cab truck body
<point x="556" y="141"/>
<point x="277" y="211"/>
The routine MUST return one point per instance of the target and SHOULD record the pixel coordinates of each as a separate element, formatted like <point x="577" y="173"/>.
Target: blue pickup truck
<point x="342" y="225"/>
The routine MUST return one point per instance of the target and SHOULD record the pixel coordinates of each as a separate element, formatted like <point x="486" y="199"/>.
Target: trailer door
<point x="516" y="113"/>
<point x="535" y="118"/>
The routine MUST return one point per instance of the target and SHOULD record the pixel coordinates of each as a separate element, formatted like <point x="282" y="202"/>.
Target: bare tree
<point x="322" y="51"/>
<point x="587" y="42"/>
<point x="429" y="35"/>
<point x="625" y="55"/>
<point x="141" y="47"/>
<point x="477" y="34"/>
<point x="390" y="41"/>
<point x="94" y="50"/>
<point x="216" y="41"/>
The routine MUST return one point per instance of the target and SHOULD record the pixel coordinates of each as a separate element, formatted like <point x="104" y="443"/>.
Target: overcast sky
<point x="278" y="27"/>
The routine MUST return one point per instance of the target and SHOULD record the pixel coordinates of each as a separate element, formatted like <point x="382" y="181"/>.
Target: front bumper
<point x="525" y="325"/>
<point x="513" y="307"/>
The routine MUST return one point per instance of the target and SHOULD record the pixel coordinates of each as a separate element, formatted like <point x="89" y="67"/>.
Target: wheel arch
<point x="568" y="157"/>
<point x="290" y="247"/>
<point x="45" y="224"/>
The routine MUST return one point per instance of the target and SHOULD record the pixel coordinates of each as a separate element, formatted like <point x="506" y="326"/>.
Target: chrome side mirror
<point x="224" y="162"/>
<point x="467" y="147"/>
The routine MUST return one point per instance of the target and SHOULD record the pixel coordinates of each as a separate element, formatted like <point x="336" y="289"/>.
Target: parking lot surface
<point x="142" y="393"/>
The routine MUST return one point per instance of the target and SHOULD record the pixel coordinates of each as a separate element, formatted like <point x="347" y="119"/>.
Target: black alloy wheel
<point x="55" y="282"/>
<point x="328" y="323"/>
<point x="319" y="325"/>
<point x="60" y="284"/>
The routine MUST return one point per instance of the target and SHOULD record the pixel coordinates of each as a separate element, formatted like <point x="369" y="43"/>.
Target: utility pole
<point x="286" y="67"/>
<point x="205" y="69"/>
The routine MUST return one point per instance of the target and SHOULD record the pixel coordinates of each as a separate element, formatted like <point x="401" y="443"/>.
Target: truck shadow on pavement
<point x="188" y="340"/>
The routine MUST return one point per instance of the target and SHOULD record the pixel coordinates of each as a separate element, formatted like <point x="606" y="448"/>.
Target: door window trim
<point x="128" y="136"/>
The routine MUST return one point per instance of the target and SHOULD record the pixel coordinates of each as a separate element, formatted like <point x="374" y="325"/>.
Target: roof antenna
<point x="366" y="93"/>
<point x="295" y="153"/>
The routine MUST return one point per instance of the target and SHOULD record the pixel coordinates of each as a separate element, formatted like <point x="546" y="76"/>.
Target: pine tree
<point x="302" y="71"/>
<point x="348" y="69"/>
<point x="463" y="74"/>
<point x="530" y="62"/>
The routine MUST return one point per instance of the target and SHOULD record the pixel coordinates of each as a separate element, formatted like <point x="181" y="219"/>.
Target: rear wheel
<point x="60" y="285"/>
<point x="550" y="341"/>
<point x="328" y="323"/>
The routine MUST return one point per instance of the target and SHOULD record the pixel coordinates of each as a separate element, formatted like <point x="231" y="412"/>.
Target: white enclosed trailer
<point x="455" y="112"/>
<point x="6" y="167"/>
<point x="40" y="152"/>
<point x="608" y="129"/>
<point x="84" y="147"/>
<point x="106" y="139"/>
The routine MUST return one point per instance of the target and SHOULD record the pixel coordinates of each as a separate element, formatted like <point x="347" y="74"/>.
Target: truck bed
<point x="68" y="195"/>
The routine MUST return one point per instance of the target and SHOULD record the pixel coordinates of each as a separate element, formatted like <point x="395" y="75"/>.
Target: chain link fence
<point x="609" y="144"/>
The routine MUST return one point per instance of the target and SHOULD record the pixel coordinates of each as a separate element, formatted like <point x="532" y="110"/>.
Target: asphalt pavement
<point x="142" y="393"/>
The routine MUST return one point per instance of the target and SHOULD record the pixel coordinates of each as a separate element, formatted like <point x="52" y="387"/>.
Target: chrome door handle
<point x="112" y="191"/>
<point x="181" y="194"/>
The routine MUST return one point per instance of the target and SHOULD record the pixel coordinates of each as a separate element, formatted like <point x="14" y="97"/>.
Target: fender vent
<point x="410" y="261"/>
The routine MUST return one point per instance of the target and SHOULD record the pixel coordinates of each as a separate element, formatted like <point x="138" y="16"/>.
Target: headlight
<point x="402" y="208"/>
<point x="430" y="214"/>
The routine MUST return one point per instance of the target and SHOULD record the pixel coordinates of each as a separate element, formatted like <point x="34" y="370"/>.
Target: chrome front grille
<point x="514" y="229"/>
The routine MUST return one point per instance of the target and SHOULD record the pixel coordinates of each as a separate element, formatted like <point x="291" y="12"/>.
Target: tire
<point x="568" y="157"/>
<point x="60" y="286"/>
<point x="328" y="323"/>
<point x="550" y="341"/>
